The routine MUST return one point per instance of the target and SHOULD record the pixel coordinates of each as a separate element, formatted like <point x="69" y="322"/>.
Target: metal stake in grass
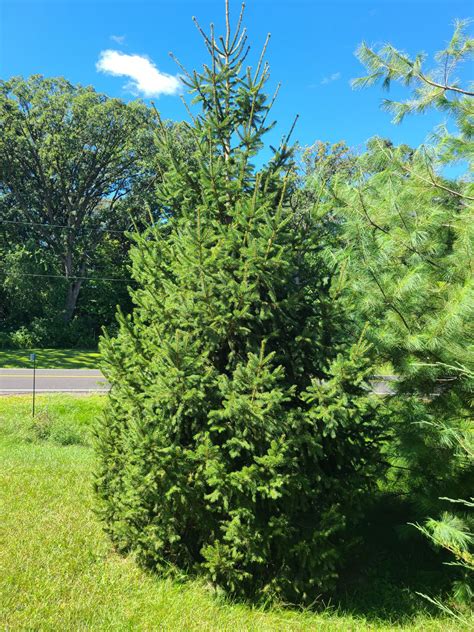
<point x="33" y="359"/>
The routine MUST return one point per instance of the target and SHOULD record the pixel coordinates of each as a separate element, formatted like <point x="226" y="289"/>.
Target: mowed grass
<point x="50" y="358"/>
<point x="58" y="569"/>
<point x="59" y="418"/>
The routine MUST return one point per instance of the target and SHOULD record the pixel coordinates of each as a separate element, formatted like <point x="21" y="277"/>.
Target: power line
<point x="105" y="230"/>
<point x="62" y="276"/>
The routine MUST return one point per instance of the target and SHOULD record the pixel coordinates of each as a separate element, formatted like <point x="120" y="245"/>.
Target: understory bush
<point x="51" y="333"/>
<point x="240" y="439"/>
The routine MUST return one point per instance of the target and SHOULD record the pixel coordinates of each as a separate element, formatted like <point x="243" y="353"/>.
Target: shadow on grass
<point x="383" y="573"/>
<point x="50" y="358"/>
<point x="382" y="582"/>
<point x="392" y="566"/>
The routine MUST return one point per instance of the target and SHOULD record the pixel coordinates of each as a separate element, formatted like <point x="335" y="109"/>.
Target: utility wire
<point x="105" y="230"/>
<point x="62" y="276"/>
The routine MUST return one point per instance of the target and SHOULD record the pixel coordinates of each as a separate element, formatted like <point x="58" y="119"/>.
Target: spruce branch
<point x="237" y="28"/>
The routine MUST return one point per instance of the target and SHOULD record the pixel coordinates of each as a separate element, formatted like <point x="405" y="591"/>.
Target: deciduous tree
<point x="68" y="156"/>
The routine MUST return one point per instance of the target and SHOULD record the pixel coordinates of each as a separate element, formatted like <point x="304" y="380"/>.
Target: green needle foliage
<point x="439" y="87"/>
<point x="408" y="245"/>
<point x="455" y="533"/>
<point x="411" y="230"/>
<point x="240" y="440"/>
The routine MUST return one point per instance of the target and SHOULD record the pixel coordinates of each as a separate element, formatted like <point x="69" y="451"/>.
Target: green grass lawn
<point x="59" y="571"/>
<point x="50" y="358"/>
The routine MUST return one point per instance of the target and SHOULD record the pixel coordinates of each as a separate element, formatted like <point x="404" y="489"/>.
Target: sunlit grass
<point x="50" y="358"/>
<point x="59" y="418"/>
<point x="59" y="571"/>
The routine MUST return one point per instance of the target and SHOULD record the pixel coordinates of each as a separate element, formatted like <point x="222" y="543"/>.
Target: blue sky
<point x="311" y="52"/>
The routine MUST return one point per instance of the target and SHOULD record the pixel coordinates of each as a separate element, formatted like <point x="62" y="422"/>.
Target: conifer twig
<point x="227" y="26"/>
<point x="262" y="55"/>
<point x="238" y="27"/>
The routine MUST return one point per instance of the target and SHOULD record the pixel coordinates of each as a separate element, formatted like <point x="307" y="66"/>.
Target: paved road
<point x="92" y="381"/>
<point x="383" y="384"/>
<point x="52" y="380"/>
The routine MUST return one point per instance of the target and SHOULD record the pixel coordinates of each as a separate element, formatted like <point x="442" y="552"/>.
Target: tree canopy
<point x="68" y="156"/>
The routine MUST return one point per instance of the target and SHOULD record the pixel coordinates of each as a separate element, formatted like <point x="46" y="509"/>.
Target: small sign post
<point x="33" y="359"/>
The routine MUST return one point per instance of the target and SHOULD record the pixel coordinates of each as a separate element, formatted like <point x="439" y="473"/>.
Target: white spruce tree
<point x="239" y="440"/>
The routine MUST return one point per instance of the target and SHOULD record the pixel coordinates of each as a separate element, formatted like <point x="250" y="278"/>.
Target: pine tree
<point x="453" y="532"/>
<point x="239" y="440"/>
<point x="408" y="244"/>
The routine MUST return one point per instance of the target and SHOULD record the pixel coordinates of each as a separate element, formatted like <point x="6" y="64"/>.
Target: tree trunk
<point x="72" y="293"/>
<point x="74" y="287"/>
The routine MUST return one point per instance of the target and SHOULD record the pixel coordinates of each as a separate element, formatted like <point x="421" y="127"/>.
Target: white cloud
<point x="334" y="77"/>
<point x="145" y="77"/>
<point x="120" y="39"/>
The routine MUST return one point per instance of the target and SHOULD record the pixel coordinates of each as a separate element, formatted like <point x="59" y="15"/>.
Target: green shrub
<point x="239" y="440"/>
<point x="22" y="338"/>
<point x="40" y="332"/>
